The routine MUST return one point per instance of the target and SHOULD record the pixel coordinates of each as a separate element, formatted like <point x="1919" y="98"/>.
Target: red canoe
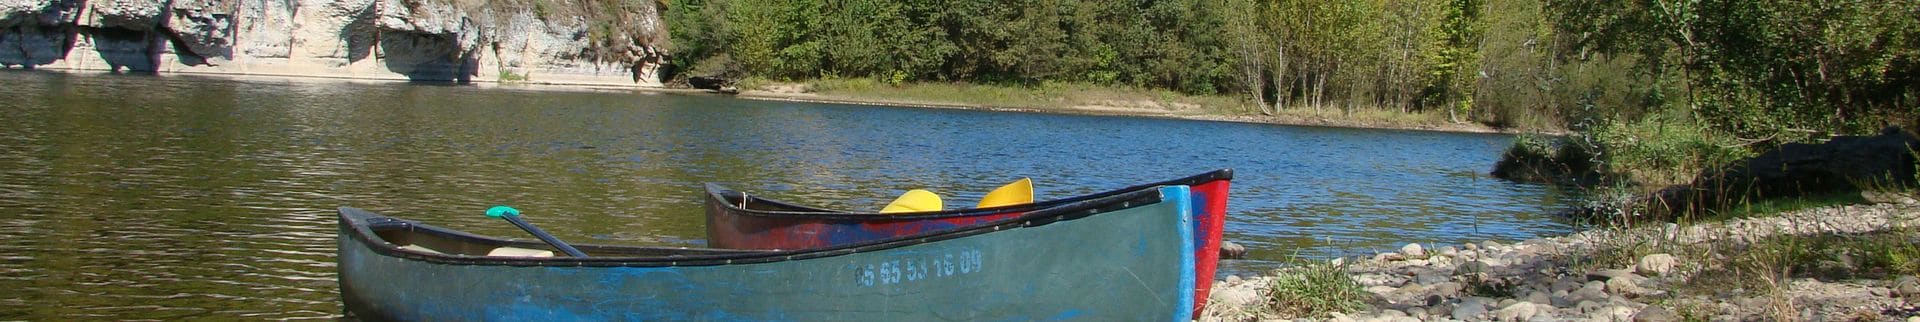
<point x="736" y="220"/>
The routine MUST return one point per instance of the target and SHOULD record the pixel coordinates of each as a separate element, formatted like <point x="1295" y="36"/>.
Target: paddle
<point x="513" y="216"/>
<point x="1016" y="193"/>
<point x="915" y="200"/>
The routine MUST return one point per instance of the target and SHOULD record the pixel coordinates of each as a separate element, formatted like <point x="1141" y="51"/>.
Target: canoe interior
<point x="751" y="205"/>
<point x="740" y="199"/>
<point x="738" y="220"/>
<point x="451" y="243"/>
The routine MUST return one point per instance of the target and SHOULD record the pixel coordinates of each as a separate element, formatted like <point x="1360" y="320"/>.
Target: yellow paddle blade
<point x="1016" y="193"/>
<point x="915" y="200"/>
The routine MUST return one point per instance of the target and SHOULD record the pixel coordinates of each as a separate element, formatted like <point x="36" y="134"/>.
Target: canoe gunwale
<point x="721" y="195"/>
<point x="360" y="225"/>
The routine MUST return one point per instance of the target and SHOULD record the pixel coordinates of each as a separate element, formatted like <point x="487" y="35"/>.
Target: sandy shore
<point x="794" y="93"/>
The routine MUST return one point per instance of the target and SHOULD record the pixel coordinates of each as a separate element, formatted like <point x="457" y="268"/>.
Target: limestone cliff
<point x="420" y="40"/>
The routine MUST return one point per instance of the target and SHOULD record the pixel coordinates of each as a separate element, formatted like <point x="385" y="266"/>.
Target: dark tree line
<point x="1752" y="68"/>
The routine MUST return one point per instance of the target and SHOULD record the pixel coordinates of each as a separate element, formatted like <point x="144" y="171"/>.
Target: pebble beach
<point x="1565" y="279"/>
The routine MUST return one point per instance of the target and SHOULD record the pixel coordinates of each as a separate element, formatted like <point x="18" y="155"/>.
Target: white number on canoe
<point x="918" y="267"/>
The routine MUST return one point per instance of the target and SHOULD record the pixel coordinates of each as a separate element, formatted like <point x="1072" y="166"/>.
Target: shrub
<point x="1548" y="159"/>
<point x="1662" y="151"/>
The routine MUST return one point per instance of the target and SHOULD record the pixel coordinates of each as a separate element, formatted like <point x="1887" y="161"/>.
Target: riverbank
<point x="1077" y="100"/>
<point x="1098" y="100"/>
<point x="1835" y="263"/>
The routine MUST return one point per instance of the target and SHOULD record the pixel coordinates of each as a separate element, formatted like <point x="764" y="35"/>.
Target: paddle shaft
<point x="537" y="233"/>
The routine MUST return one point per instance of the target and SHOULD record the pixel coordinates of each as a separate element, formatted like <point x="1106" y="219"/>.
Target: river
<point x="180" y="197"/>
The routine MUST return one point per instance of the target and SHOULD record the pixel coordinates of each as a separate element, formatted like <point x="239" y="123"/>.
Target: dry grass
<point x="1370" y="117"/>
<point x="1761" y="262"/>
<point x="1051" y="96"/>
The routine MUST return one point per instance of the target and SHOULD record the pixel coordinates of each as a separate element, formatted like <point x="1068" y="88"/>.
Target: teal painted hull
<point x="1116" y="259"/>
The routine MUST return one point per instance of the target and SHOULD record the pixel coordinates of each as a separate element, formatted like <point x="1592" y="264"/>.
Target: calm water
<point x="182" y="197"/>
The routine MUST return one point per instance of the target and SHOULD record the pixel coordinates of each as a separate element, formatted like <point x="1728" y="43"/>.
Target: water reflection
<point x="141" y="197"/>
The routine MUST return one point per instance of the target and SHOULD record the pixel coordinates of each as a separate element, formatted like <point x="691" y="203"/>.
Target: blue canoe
<point x="1124" y="257"/>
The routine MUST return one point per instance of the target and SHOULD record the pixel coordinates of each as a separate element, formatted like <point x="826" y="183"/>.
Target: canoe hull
<point x="728" y="227"/>
<point x="1209" y="203"/>
<point x="1137" y="260"/>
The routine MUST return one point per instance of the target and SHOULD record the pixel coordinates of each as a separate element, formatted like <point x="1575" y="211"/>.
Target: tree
<point x="1456" y="65"/>
<point x="1251" y="48"/>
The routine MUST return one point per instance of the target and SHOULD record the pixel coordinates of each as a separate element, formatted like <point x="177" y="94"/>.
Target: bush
<point x="1660" y="151"/>
<point x="1620" y="162"/>
<point x="1548" y="159"/>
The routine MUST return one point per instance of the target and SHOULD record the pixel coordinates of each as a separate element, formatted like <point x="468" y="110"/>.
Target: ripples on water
<point x="133" y="197"/>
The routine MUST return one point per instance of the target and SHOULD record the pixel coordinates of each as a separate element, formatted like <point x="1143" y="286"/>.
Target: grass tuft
<point x="1766" y="207"/>
<point x="1316" y="291"/>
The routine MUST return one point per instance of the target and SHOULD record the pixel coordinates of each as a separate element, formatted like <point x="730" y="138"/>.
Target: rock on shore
<point x="417" y="40"/>
<point x="1555" y="279"/>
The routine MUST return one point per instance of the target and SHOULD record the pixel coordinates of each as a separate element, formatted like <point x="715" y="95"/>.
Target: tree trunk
<point x="1282" y="82"/>
<point x="1256" y="87"/>
<point x="1306" y="88"/>
<point x="1319" y="91"/>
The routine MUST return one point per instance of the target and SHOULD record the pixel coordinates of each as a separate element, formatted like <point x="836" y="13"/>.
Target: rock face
<point x="1839" y="164"/>
<point x="417" y="40"/>
<point x="36" y="32"/>
<point x="714" y="84"/>
<point x="1842" y="164"/>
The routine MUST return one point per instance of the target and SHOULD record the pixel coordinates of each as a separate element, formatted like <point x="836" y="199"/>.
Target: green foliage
<point x="1825" y="67"/>
<point x="1775" y="206"/>
<point x="542" y="9"/>
<point x="1456" y="67"/>
<point x="1764" y="72"/>
<point x="703" y="36"/>
<point x="1316" y="290"/>
<point x="1539" y="158"/>
<point x="1410" y="55"/>
<point x="838" y="85"/>
<point x="1654" y="150"/>
<point x="1523" y="85"/>
<point x="1770" y="71"/>
<point x="1660" y="150"/>
<point x="508" y="76"/>
<point x="1166" y="44"/>
<point x="1533" y="147"/>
